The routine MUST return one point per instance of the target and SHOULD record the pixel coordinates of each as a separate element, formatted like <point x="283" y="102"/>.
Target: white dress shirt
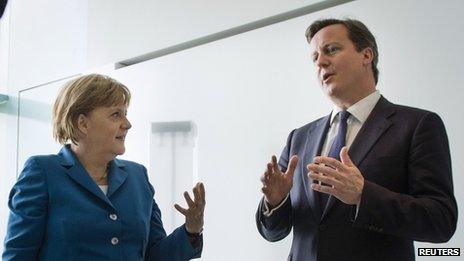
<point x="104" y="188"/>
<point x="358" y="115"/>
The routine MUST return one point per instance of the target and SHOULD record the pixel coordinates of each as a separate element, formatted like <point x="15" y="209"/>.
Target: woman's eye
<point x="116" y="114"/>
<point x="332" y="49"/>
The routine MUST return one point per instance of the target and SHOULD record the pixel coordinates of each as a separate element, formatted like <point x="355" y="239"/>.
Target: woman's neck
<point x="93" y="162"/>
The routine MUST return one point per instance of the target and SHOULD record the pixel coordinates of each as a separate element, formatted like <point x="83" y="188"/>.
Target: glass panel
<point x="34" y="123"/>
<point x="173" y="157"/>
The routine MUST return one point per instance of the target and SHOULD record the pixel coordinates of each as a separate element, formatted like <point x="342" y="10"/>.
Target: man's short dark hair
<point x="358" y="34"/>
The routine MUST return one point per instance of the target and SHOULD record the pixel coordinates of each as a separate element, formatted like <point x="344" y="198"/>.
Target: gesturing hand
<point x="196" y="207"/>
<point x="345" y="180"/>
<point x="276" y="185"/>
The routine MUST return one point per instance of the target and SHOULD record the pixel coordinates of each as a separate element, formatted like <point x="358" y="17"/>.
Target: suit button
<point x="322" y="227"/>
<point x="114" y="241"/>
<point x="113" y="216"/>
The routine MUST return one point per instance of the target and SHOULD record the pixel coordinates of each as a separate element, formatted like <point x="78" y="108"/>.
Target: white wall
<point x="238" y="90"/>
<point x="122" y="29"/>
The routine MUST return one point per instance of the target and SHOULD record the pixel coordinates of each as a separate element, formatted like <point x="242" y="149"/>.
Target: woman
<point x="83" y="203"/>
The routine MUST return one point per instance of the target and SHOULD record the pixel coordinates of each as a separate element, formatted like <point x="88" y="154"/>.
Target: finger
<point x="202" y="193"/>
<point x="330" y="162"/>
<point x="198" y="198"/>
<point x="324" y="189"/>
<point x="345" y="157"/>
<point x="325" y="179"/>
<point x="320" y="168"/>
<point x="269" y="169"/>
<point x="292" y="165"/>
<point x="264" y="178"/>
<point x="189" y="200"/>
<point x="275" y="165"/>
<point x="182" y="210"/>
<point x="264" y="189"/>
<point x="196" y="194"/>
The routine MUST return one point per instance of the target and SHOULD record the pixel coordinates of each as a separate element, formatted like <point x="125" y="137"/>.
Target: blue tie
<point x="337" y="145"/>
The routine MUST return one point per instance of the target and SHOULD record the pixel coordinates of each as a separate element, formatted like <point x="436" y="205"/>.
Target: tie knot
<point x="344" y="116"/>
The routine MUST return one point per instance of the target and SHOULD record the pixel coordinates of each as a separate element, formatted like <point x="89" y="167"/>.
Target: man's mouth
<point x="326" y="76"/>
<point x="121" y="138"/>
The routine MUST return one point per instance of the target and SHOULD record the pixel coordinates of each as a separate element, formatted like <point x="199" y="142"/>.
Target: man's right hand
<point x="276" y="184"/>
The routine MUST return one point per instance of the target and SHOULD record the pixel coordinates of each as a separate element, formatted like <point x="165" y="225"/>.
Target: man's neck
<point x="352" y="98"/>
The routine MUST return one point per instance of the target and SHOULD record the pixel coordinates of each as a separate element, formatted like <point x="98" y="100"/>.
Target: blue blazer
<point x="57" y="212"/>
<point x="404" y="156"/>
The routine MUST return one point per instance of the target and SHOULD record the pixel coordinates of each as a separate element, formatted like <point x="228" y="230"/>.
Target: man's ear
<point x="82" y="124"/>
<point x="368" y="55"/>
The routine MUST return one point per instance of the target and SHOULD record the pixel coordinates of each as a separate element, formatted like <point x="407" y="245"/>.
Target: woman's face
<point x="104" y="130"/>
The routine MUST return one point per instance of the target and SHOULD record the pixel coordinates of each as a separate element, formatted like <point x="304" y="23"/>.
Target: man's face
<point x="339" y="67"/>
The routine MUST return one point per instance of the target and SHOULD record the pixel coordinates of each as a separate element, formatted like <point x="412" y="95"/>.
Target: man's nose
<point x="322" y="60"/>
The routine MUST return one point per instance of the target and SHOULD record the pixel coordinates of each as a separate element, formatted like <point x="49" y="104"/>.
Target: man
<point x="2" y="7"/>
<point x="367" y="180"/>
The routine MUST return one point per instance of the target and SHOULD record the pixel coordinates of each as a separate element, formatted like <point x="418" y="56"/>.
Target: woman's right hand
<point x="196" y="207"/>
<point x="276" y="184"/>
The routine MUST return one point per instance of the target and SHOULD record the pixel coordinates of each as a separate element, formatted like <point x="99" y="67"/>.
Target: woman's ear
<point x="82" y="124"/>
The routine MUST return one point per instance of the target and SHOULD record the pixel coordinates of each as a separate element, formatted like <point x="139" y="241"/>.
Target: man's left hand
<point x="345" y="180"/>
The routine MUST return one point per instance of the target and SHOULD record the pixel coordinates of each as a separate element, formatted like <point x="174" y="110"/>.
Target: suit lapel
<point x="77" y="172"/>
<point x="117" y="176"/>
<point x="376" y="124"/>
<point x="314" y="142"/>
<point x="372" y="129"/>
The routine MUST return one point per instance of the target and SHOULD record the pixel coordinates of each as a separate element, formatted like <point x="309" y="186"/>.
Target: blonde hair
<point x="81" y="96"/>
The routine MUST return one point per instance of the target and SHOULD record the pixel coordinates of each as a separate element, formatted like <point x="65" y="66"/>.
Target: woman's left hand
<point x="196" y="207"/>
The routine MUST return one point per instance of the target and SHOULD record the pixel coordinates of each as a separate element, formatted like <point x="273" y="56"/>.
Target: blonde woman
<point x="85" y="204"/>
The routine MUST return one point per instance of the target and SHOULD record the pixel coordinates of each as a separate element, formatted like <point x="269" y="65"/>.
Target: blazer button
<point x="113" y="216"/>
<point x="322" y="227"/>
<point x="114" y="241"/>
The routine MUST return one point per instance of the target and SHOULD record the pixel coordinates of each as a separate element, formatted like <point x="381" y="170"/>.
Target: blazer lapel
<point x="117" y="176"/>
<point x="77" y="172"/>
<point x="375" y="125"/>
<point x="314" y="142"/>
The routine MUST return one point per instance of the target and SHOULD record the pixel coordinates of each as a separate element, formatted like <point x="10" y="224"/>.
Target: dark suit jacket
<point x="403" y="154"/>
<point x="57" y="212"/>
<point x="2" y="7"/>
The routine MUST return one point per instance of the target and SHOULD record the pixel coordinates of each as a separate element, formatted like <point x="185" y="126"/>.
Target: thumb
<point x="182" y="210"/>
<point x="292" y="165"/>
<point x="345" y="158"/>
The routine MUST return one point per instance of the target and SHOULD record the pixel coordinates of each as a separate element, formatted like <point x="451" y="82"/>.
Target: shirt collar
<point x="361" y="109"/>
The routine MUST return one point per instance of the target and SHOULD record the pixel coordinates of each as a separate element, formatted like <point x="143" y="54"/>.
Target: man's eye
<point x="116" y="114"/>
<point x="314" y="58"/>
